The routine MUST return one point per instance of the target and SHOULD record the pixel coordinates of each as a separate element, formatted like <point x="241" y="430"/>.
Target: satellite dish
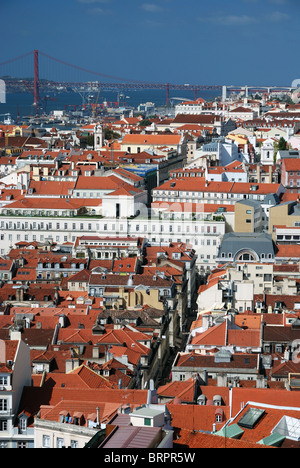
<point x="296" y="96"/>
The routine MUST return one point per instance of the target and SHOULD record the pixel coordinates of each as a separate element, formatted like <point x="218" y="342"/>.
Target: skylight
<point x="288" y="427"/>
<point x="250" y="418"/>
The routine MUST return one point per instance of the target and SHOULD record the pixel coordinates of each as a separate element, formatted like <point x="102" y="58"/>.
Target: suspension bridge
<point x="37" y="85"/>
<point x="98" y="80"/>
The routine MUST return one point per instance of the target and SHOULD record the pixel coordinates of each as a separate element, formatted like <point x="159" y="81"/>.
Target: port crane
<point x="96" y="102"/>
<point x="45" y="99"/>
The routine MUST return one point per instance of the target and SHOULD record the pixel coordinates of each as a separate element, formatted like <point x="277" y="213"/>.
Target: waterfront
<point x="22" y="103"/>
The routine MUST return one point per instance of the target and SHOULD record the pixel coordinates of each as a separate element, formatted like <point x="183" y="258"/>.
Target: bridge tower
<point x="36" y="93"/>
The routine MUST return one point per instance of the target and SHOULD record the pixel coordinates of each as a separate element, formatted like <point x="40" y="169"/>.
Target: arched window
<point x="246" y="256"/>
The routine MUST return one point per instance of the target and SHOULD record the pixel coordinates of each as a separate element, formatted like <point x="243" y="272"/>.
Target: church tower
<point x="98" y="137"/>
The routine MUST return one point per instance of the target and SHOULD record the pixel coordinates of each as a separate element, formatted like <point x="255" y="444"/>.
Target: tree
<point x="110" y="134"/>
<point x="145" y="123"/>
<point x="282" y="144"/>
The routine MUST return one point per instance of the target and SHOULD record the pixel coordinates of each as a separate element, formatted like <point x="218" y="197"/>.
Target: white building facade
<point x="203" y="233"/>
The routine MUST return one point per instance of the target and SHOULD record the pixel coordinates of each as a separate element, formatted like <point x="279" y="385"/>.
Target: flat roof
<point x="146" y="412"/>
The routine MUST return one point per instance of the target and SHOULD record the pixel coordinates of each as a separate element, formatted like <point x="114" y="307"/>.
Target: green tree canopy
<point x="282" y="144"/>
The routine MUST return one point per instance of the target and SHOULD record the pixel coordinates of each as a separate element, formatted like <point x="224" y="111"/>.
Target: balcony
<point x="5" y="388"/>
<point x="6" y="413"/>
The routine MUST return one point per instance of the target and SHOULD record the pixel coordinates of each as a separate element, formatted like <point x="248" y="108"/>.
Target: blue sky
<point x="252" y="42"/>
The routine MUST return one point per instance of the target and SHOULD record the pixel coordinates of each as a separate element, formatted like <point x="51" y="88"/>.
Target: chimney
<point x="98" y="416"/>
<point x="2" y="351"/>
<point x="20" y="294"/>
<point x="96" y="352"/>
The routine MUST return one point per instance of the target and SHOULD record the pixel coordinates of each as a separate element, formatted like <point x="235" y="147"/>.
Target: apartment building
<point x="233" y="172"/>
<point x="286" y="215"/>
<point x="61" y="229"/>
<point x="202" y="191"/>
<point x="220" y="124"/>
<point x="223" y="368"/>
<point x="138" y="142"/>
<point x="249" y="216"/>
<point x="263" y="173"/>
<point x="226" y="292"/>
<point x="247" y="247"/>
<point x="15" y="373"/>
<point x="290" y="174"/>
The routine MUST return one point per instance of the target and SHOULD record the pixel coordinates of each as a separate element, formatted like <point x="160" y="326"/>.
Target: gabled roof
<point x="262" y="422"/>
<point x="50" y="187"/>
<point x="90" y="378"/>
<point x="81" y="276"/>
<point x="88" y="409"/>
<point x="197" y="118"/>
<point x="43" y="204"/>
<point x="241" y="110"/>
<point x="215" y="335"/>
<point x="194" y="440"/>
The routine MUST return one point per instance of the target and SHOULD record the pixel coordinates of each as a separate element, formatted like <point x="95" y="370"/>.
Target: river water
<point x="22" y="103"/>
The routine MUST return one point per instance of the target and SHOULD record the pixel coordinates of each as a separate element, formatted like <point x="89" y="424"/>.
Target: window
<point x="3" y="425"/>
<point x="3" y="404"/>
<point x="147" y="421"/>
<point x="23" y="424"/>
<point x="59" y="442"/>
<point x="250" y="418"/>
<point x="3" y="380"/>
<point x="74" y="444"/>
<point x="22" y="445"/>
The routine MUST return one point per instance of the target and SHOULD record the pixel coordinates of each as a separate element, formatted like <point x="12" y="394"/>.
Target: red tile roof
<point x="200" y="185"/>
<point x="156" y="140"/>
<point x="200" y="440"/>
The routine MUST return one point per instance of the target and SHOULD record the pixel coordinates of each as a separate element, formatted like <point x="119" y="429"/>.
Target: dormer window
<point x="77" y="418"/>
<point x="64" y="417"/>
<point x="23" y="420"/>
<point x="219" y="415"/>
